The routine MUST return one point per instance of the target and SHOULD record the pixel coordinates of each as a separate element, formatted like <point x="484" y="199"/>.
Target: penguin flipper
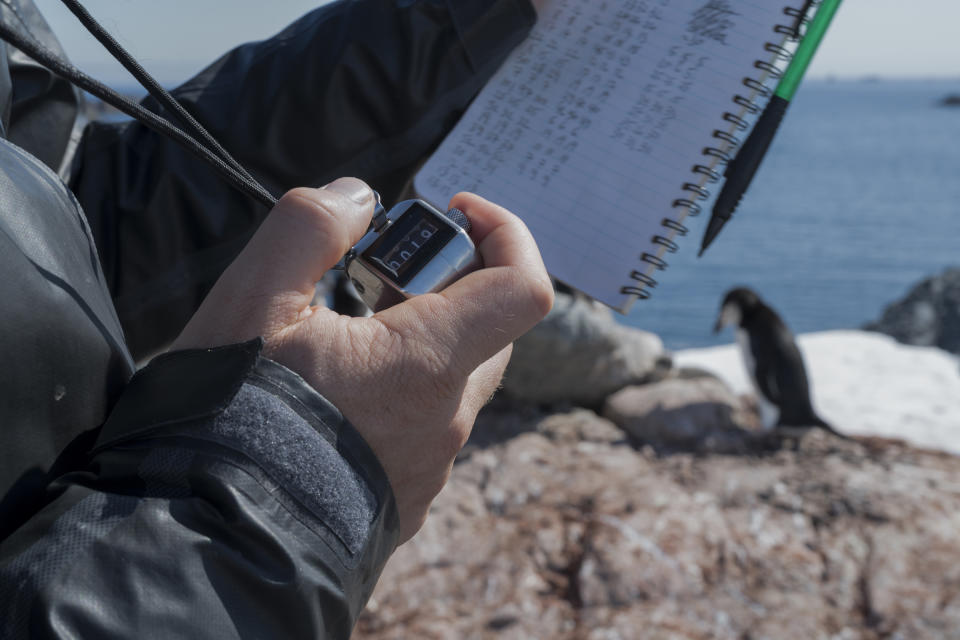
<point x="766" y="379"/>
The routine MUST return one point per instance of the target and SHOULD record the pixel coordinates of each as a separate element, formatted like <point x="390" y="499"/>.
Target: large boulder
<point x="558" y="536"/>
<point x="579" y="354"/>
<point x="677" y="413"/>
<point x="928" y="316"/>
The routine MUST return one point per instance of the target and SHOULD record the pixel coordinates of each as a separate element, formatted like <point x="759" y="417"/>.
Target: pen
<point x="740" y="171"/>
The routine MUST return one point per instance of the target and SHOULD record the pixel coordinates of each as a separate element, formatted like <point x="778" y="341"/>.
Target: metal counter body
<point x="416" y="250"/>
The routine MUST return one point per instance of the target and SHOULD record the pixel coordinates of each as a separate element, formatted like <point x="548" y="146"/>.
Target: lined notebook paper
<point x="607" y="125"/>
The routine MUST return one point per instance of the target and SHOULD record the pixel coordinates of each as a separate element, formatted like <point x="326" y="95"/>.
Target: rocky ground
<point x="662" y="512"/>
<point x="558" y="526"/>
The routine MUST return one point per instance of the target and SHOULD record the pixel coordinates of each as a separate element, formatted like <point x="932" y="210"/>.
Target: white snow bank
<point x="865" y="383"/>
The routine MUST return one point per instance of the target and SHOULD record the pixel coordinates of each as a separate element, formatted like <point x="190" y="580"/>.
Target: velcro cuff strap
<point x="195" y="384"/>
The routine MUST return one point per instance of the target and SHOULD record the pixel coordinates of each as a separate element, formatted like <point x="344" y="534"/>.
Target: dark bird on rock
<point x="773" y="361"/>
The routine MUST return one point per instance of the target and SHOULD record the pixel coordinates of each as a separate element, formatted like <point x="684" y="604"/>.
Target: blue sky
<point x="174" y="38"/>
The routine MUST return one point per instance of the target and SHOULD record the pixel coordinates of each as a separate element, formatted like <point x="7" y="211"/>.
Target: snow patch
<point x="865" y="383"/>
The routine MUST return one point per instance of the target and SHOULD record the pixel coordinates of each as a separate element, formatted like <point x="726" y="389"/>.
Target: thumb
<point x="303" y="237"/>
<point x="270" y="284"/>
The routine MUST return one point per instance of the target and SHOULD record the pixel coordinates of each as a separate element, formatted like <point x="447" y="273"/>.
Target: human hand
<point x="411" y="378"/>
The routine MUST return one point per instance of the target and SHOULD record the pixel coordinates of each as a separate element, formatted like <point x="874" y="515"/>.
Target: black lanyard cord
<point x="151" y="85"/>
<point x="239" y="179"/>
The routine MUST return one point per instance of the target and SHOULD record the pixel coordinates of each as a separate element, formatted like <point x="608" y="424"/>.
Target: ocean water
<point x="857" y="200"/>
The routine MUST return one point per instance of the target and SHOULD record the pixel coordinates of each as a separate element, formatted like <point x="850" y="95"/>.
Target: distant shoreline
<point x="96" y="109"/>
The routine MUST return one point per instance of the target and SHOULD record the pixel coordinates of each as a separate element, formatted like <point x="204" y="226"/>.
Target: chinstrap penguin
<point x="773" y="361"/>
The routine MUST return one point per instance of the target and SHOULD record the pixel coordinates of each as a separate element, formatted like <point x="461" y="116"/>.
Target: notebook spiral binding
<point x="688" y="204"/>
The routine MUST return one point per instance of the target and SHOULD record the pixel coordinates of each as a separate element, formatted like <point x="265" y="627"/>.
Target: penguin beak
<point x="718" y="325"/>
<point x="729" y="314"/>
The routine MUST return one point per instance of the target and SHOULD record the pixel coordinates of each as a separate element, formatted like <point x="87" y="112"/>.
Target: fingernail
<point x="356" y="190"/>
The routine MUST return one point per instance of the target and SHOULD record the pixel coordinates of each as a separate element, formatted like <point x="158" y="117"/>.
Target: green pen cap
<point x="808" y="46"/>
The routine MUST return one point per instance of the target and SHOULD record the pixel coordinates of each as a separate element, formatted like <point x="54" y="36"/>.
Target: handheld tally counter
<point x="409" y="250"/>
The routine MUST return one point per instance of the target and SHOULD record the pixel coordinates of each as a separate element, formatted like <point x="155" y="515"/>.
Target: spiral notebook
<point x="605" y="128"/>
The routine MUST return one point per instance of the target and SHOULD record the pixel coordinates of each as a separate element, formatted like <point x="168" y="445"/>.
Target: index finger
<point x="483" y="312"/>
<point x="501" y="237"/>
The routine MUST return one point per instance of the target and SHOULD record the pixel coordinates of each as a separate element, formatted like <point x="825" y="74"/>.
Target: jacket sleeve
<point x="224" y="499"/>
<point x="363" y="87"/>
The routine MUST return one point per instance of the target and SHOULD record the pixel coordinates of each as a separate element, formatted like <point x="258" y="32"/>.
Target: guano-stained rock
<point x="547" y="535"/>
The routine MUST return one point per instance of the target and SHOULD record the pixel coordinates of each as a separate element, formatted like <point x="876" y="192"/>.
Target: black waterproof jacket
<point x="214" y="493"/>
